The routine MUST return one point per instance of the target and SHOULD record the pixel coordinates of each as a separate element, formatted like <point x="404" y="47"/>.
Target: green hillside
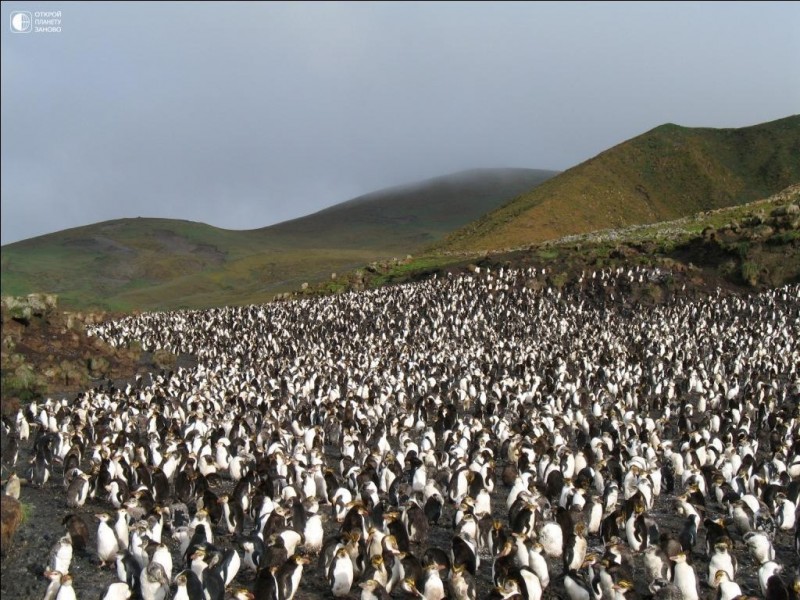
<point x="161" y="263"/>
<point x="666" y="173"/>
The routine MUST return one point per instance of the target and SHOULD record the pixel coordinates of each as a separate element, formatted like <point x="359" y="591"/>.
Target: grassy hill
<point x="666" y="173"/>
<point x="739" y="248"/>
<point x="162" y="263"/>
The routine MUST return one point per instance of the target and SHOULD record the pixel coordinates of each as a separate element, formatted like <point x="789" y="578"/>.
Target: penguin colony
<point x="476" y="436"/>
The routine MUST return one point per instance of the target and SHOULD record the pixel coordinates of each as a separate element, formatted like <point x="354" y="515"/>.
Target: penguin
<point x="66" y="591"/>
<point x="776" y="589"/>
<point x="715" y="532"/>
<point x="688" y="535"/>
<point x="78" y="531"/>
<point x="610" y="525"/>
<point x="373" y="590"/>
<point x="415" y="522"/>
<point x="313" y="534"/>
<point x="377" y="570"/>
<point x="538" y="564"/>
<point x="78" y="491"/>
<point x="121" y="528"/>
<point x="340" y="574"/>
<point x="433" y="508"/>
<point x="107" y="544"/>
<point x="61" y="555"/>
<point x="128" y="570"/>
<point x="683" y="576"/>
<point x="213" y="579"/>
<point x="117" y="591"/>
<point x="528" y="583"/>
<point x="408" y="590"/>
<point x="551" y="537"/>
<point x="153" y="583"/>
<point x="656" y="564"/>
<point x="188" y="586"/>
<point x="461" y="584"/>
<point x="267" y="586"/>
<point x="504" y="562"/>
<point x="578" y="587"/>
<point x="594" y="509"/>
<point x="228" y="566"/>
<point x="431" y="585"/>
<point x="721" y="560"/>
<point x="766" y="572"/>
<point x="727" y="589"/>
<point x="241" y="594"/>
<point x="55" y="582"/>
<point x="465" y="554"/>
<point x="163" y="557"/>
<point x="254" y="550"/>
<point x="743" y="517"/>
<point x="760" y="546"/>
<point x="785" y="513"/>
<point x="290" y="574"/>
<point x="232" y="515"/>
<point x="575" y="549"/>
<point x="40" y="470"/>
<point x="13" y="485"/>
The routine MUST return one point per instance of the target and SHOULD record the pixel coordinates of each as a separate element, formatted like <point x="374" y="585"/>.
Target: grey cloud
<point x="246" y="114"/>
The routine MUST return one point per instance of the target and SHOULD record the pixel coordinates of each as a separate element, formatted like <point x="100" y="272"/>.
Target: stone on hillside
<point x="762" y="232"/>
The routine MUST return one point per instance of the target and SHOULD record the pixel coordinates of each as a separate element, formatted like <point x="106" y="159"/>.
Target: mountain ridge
<point x="661" y="174"/>
<point x="153" y="263"/>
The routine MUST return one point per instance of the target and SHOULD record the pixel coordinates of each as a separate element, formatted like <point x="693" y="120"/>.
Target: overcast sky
<point x="243" y="115"/>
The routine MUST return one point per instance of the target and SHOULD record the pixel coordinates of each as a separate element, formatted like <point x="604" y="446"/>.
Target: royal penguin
<point x="684" y="577"/>
<point x="465" y="553"/>
<point x="228" y="566"/>
<point x="78" y="491"/>
<point x="313" y="534"/>
<point x="290" y="574"/>
<point x="551" y="536"/>
<point x="232" y="515"/>
<point x="760" y="546"/>
<point x="254" y="549"/>
<point x="656" y="564"/>
<point x="267" y="586"/>
<point x="67" y="591"/>
<point x="107" y="544"/>
<point x="727" y="589"/>
<point x="13" y="486"/>
<point x="153" y="583"/>
<point x="688" y="535"/>
<point x="188" y="586"/>
<point x="128" y="570"/>
<point x="61" y="555"/>
<point x="162" y="556"/>
<point x="54" y="577"/>
<point x="340" y="574"/>
<point x="575" y="549"/>
<point x="578" y="586"/>
<point x="117" y="591"/>
<point x="767" y="571"/>
<point x="373" y="590"/>
<point x="461" y="584"/>
<point x="721" y="560"/>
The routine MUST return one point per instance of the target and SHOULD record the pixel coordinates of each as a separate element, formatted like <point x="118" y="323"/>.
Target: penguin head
<point x="720" y="576"/>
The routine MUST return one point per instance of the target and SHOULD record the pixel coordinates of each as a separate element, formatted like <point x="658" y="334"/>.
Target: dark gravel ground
<point x="23" y="566"/>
